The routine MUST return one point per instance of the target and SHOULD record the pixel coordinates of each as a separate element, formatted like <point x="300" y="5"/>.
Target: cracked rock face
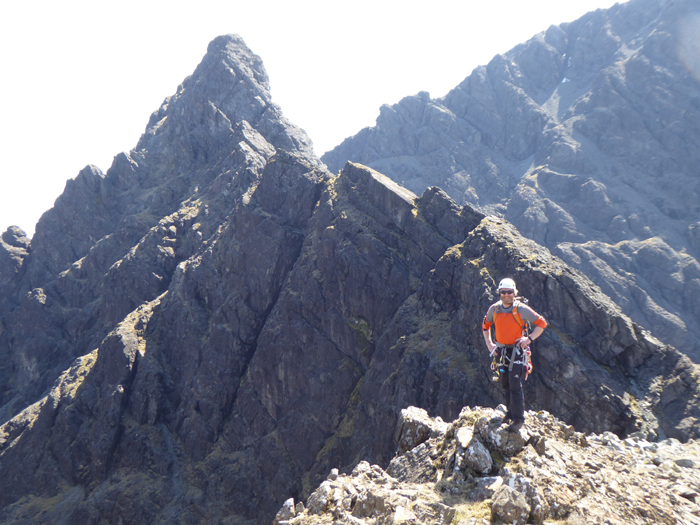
<point x="289" y="344"/>
<point x="214" y="324"/>
<point x="113" y="241"/>
<point x="586" y="138"/>
<point x="572" y="478"/>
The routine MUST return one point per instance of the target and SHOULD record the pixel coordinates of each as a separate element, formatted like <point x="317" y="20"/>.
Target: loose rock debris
<point x="474" y="471"/>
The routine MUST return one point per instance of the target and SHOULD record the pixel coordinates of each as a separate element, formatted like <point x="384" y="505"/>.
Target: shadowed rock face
<point x="586" y="138"/>
<point x="14" y="247"/>
<point x="234" y="321"/>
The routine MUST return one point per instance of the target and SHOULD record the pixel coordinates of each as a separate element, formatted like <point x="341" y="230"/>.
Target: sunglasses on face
<point x="506" y="292"/>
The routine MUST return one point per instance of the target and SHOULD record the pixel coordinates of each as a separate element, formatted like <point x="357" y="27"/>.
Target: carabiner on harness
<point x="499" y="365"/>
<point x="527" y="360"/>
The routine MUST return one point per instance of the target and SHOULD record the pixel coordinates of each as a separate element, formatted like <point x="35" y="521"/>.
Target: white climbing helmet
<point x="506" y="284"/>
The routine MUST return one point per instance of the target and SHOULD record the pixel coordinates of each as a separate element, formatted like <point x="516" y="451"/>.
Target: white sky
<point x="79" y="79"/>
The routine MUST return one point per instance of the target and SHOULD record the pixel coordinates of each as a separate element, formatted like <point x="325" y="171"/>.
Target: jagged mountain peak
<point x="204" y="150"/>
<point x="224" y="103"/>
<point x="233" y="51"/>
<point x="230" y="80"/>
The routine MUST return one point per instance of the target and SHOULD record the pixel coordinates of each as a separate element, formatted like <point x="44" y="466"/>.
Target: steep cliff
<point x="587" y="139"/>
<point x="217" y="321"/>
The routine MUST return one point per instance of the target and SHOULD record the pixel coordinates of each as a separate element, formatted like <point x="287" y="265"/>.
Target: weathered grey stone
<point x="14" y="247"/>
<point x="287" y="512"/>
<point x="510" y="506"/>
<point x="485" y="488"/>
<point x="471" y="453"/>
<point x="539" y="507"/>
<point x="415" y="465"/>
<point x="318" y="501"/>
<point x="415" y="427"/>
<point x="498" y="436"/>
<point x="686" y="463"/>
<point x="402" y="516"/>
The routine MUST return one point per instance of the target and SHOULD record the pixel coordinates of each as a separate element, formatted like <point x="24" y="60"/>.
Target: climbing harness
<point x="502" y="363"/>
<point x="523" y="352"/>
<point x="498" y="365"/>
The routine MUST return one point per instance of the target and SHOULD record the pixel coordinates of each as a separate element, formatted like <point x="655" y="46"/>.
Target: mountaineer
<point x="511" y="351"/>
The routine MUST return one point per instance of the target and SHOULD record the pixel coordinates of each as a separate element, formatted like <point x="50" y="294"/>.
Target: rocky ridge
<point x="586" y="138"/>
<point x="474" y="471"/>
<point x="233" y="321"/>
<point x="113" y="241"/>
<point x="223" y="406"/>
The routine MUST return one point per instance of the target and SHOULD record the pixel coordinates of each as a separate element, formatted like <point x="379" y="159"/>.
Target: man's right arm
<point x="486" y="328"/>
<point x="489" y="342"/>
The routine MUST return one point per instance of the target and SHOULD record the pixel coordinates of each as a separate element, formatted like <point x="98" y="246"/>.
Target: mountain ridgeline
<point x="212" y="325"/>
<point x="587" y="137"/>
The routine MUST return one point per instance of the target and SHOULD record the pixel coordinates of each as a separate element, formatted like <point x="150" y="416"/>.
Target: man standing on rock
<point x="510" y="316"/>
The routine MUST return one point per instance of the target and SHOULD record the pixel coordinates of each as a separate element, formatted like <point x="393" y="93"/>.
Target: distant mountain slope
<point x="587" y="138"/>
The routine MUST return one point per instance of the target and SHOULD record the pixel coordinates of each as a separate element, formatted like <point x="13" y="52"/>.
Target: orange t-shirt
<point x="508" y="331"/>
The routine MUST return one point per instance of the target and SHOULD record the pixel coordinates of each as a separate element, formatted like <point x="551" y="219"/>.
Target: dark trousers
<point x="511" y="381"/>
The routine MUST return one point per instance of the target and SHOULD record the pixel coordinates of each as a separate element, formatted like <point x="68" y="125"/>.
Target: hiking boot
<point x="515" y="426"/>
